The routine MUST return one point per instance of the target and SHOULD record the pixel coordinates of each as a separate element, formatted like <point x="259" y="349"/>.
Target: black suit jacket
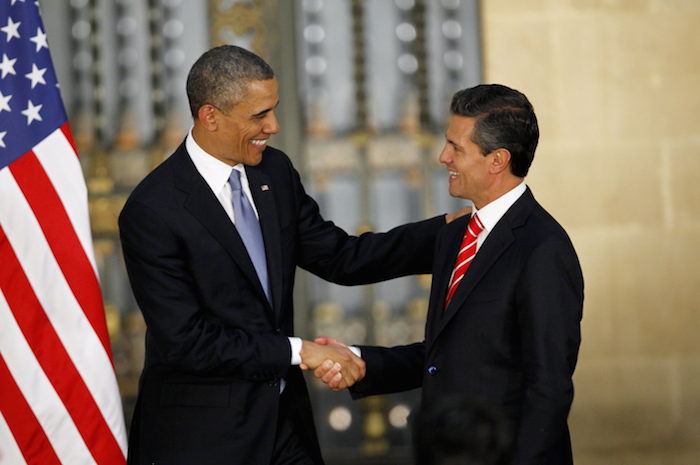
<point x="216" y="349"/>
<point x="510" y="336"/>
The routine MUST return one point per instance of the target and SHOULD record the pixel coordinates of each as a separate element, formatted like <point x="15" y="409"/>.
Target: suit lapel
<point x="260" y="188"/>
<point x="202" y="204"/>
<point x="493" y="247"/>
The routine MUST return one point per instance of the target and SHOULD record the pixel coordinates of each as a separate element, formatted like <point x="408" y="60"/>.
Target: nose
<point x="272" y="126"/>
<point x="445" y="157"/>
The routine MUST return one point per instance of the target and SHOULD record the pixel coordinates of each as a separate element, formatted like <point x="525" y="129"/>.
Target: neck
<point x="207" y="143"/>
<point x="497" y="189"/>
<point x="199" y="134"/>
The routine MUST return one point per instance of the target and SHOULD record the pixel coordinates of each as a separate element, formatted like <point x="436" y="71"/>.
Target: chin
<point x="255" y="160"/>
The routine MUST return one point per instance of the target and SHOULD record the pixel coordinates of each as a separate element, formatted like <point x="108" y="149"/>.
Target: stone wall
<point x="615" y="85"/>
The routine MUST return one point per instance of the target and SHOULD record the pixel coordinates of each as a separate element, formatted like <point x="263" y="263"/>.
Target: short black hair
<point x="219" y="77"/>
<point x="505" y="119"/>
<point x="455" y="431"/>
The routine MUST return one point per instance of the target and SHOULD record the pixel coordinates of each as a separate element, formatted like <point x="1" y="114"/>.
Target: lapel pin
<point x="264" y="187"/>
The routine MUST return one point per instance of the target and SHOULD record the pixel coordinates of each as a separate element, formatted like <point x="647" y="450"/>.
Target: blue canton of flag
<point x="30" y="101"/>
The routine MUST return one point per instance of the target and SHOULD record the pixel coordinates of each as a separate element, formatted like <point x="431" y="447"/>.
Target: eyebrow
<point x="450" y="141"/>
<point x="262" y="113"/>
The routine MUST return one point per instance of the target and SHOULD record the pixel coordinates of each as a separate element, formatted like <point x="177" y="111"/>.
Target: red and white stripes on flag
<point x="58" y="390"/>
<point x="59" y="401"/>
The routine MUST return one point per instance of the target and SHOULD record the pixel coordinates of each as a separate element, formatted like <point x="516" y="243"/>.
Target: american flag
<point x="59" y="401"/>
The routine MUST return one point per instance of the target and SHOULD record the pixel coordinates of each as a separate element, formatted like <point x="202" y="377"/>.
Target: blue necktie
<point x="249" y="229"/>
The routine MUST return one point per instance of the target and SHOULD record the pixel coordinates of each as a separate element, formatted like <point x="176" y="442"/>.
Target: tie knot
<point x="475" y="226"/>
<point x="234" y="180"/>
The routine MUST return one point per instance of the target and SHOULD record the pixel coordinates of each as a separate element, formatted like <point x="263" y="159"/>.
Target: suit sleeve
<point x="165" y="290"/>
<point x="549" y="303"/>
<point x="332" y="254"/>
<point x="390" y="369"/>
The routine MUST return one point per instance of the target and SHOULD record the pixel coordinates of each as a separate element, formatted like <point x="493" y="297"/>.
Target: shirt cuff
<point x="356" y="351"/>
<point x="295" y="344"/>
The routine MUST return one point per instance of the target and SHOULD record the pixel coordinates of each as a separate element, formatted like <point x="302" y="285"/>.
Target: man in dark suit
<point x="503" y="325"/>
<point x="211" y="240"/>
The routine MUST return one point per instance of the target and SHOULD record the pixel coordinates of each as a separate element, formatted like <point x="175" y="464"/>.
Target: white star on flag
<point x="7" y="66"/>
<point x="11" y="29"/>
<point x="36" y="76"/>
<point x="40" y="40"/>
<point x="15" y="1"/>
<point x="3" y="102"/>
<point x="2" y="139"/>
<point x="32" y="112"/>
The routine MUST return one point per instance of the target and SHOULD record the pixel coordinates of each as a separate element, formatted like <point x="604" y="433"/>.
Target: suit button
<point x="432" y="370"/>
<point x="272" y="383"/>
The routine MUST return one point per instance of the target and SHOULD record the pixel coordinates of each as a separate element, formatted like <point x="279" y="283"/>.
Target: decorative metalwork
<point x="315" y="66"/>
<point x="452" y="31"/>
<point x="241" y="23"/>
<point x="165" y="30"/>
<point x="371" y="161"/>
<point x="375" y="79"/>
<point x="360" y="72"/>
<point x="99" y="180"/>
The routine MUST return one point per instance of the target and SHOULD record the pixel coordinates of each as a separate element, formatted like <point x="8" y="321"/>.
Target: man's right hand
<point x="334" y="363"/>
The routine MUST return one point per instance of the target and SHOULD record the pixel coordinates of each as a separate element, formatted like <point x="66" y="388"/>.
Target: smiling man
<point x="211" y="241"/>
<point x="503" y="325"/>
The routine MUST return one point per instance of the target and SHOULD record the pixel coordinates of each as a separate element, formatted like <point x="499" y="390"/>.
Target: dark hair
<point x="219" y="77"/>
<point x="505" y="119"/>
<point x="457" y="432"/>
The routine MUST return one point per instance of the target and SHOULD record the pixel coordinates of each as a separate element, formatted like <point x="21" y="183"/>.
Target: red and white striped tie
<point x="466" y="254"/>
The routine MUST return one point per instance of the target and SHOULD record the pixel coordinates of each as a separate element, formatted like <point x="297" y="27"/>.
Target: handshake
<point x="332" y="362"/>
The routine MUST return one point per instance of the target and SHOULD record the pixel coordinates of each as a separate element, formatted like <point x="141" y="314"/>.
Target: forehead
<point x="460" y="127"/>
<point x="257" y="90"/>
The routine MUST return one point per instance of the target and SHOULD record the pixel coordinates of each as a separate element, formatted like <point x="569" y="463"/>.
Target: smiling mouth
<point x="453" y="174"/>
<point x="258" y="142"/>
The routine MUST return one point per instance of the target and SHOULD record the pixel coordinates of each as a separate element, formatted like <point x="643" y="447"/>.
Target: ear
<point x="500" y="161"/>
<point x="207" y="116"/>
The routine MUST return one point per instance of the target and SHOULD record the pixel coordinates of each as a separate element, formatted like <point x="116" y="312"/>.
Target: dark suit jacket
<point x="510" y="336"/>
<point x="216" y="349"/>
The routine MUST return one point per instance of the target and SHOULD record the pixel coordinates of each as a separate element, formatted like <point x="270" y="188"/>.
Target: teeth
<point x="258" y="142"/>
<point x="453" y="174"/>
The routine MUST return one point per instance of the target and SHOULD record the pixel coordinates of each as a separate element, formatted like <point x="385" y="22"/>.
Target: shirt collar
<point x="492" y="212"/>
<point x="215" y="172"/>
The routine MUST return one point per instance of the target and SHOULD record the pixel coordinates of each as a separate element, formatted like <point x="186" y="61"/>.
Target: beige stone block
<point x="597" y="185"/>
<point x="655" y="454"/>
<point x="653" y="70"/>
<point x="579" y="77"/>
<point x="616" y="80"/>
<point x="635" y="306"/>
<point x="596" y="439"/>
<point x="605" y="73"/>
<point x="684" y="183"/>
<point x="608" y="5"/>
<point x="598" y="331"/>
<point x="688" y="403"/>
<point x="674" y="6"/>
<point x="678" y="276"/>
<point x="622" y="401"/>
<point x="493" y="9"/>
<point x="655" y="297"/>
